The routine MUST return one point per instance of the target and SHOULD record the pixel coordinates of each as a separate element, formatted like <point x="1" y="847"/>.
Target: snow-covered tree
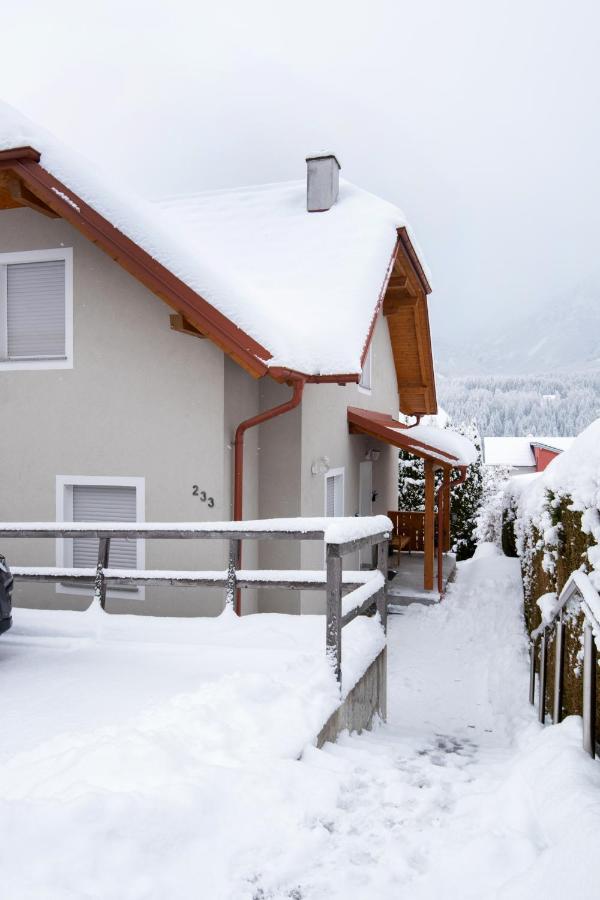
<point x="411" y="483"/>
<point x="466" y="501"/>
<point x="489" y="518"/>
<point x="466" y="498"/>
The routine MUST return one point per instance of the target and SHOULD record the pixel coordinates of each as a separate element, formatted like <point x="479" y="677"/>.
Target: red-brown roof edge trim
<point x="156" y="277"/>
<point x="380" y="300"/>
<point x="412" y="253"/>
<point x="386" y="428"/>
<point x="21" y="153"/>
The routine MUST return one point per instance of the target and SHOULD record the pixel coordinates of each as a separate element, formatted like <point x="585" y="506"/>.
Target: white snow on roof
<point x="447" y="441"/>
<point x="518" y="451"/>
<point x="304" y="285"/>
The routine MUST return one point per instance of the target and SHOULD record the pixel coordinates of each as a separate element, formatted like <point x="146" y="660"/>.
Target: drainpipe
<point x="440" y="505"/>
<point x="238" y="478"/>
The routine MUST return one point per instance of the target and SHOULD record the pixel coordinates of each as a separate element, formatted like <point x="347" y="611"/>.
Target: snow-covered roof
<point x="518" y="451"/>
<point x="303" y="285"/>
<point x="447" y="441"/>
<point x="427" y="441"/>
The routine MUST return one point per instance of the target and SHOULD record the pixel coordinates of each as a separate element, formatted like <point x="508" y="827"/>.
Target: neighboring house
<point x="522" y="455"/>
<point x="136" y="337"/>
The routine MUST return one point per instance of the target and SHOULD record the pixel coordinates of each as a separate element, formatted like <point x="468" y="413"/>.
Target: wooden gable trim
<point x="251" y="355"/>
<point x="404" y="304"/>
<point x="38" y="189"/>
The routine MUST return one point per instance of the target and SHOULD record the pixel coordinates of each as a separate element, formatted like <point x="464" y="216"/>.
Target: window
<point x="367" y="370"/>
<point x="334" y="492"/>
<point x="99" y="499"/>
<point x="36" y="309"/>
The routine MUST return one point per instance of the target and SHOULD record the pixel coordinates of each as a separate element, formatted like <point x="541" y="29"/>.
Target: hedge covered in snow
<point x="551" y="521"/>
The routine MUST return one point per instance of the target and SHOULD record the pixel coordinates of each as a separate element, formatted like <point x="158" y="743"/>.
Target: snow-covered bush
<point x="552" y="521"/>
<point x="490" y="517"/>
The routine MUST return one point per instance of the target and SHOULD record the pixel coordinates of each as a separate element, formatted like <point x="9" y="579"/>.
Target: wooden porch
<point x="406" y="586"/>
<point x="428" y="532"/>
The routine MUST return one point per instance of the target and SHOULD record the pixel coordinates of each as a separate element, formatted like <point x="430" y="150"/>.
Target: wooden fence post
<point x="589" y="690"/>
<point x="382" y="565"/>
<point x="429" y="526"/>
<point x="100" y="581"/>
<point x="334" y="610"/>
<point x="542" y="697"/>
<point x="559" y="667"/>
<point x="532" y="650"/>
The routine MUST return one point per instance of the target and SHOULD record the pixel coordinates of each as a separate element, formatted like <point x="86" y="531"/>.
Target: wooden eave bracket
<point x="22" y="196"/>
<point x="184" y="326"/>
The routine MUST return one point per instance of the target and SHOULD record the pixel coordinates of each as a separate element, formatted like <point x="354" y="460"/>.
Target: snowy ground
<point x="133" y="792"/>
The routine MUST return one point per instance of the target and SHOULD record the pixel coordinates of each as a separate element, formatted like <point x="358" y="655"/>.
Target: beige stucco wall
<point x="242" y="401"/>
<point x="141" y="401"/>
<point x="145" y="401"/>
<point x="325" y="434"/>
<point x="280" y="446"/>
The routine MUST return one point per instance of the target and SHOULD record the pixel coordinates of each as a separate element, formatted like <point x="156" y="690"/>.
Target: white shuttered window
<point x="104" y="503"/>
<point x="36" y="309"/>
<point x="334" y="493"/>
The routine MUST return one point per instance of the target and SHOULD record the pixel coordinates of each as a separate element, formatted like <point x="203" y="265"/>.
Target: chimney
<point x="322" y="181"/>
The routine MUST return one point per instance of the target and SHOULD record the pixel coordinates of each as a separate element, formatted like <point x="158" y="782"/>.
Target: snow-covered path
<point x="461" y="795"/>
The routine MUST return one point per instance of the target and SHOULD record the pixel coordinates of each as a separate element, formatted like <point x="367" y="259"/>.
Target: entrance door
<point x="365" y="503"/>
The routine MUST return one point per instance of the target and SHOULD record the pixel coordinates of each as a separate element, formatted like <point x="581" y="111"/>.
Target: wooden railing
<point x="580" y="592"/>
<point x="348" y="594"/>
<point x="410" y="525"/>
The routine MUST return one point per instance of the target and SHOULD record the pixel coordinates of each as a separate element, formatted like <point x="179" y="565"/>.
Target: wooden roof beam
<point x="181" y="324"/>
<point x="21" y="196"/>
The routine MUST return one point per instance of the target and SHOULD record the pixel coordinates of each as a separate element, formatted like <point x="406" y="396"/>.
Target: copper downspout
<point x="440" y="505"/>
<point x="238" y="477"/>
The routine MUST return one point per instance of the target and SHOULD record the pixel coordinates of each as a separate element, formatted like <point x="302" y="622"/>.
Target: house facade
<point x="123" y="388"/>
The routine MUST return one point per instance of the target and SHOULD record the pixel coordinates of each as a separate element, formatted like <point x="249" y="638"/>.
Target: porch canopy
<point x="440" y="449"/>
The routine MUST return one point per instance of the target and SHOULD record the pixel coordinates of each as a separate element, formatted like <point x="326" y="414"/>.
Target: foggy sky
<point x="480" y="120"/>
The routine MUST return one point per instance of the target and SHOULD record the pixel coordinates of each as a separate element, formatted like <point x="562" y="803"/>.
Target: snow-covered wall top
<point x="575" y="473"/>
<point x="304" y="285"/>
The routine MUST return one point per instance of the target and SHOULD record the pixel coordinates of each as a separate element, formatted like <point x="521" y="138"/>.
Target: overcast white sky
<point x="480" y="120"/>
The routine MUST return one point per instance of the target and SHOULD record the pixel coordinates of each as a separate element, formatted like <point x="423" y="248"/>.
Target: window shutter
<point x="35" y="310"/>
<point x="104" y="503"/>
<point x="334" y="495"/>
<point x="330" y="511"/>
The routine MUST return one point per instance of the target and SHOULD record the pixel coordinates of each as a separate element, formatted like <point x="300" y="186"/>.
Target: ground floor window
<point x="99" y="499"/>
<point x="334" y="492"/>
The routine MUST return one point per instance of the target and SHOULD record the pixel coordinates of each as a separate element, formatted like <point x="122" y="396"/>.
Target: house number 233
<point x="196" y="492"/>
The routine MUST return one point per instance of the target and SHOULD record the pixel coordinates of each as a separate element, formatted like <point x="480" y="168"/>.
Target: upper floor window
<point x="36" y="309"/>
<point x="367" y="370"/>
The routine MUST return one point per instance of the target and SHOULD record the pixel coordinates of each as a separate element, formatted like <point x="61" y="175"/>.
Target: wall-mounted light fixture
<point x="320" y="466"/>
<point x="372" y="455"/>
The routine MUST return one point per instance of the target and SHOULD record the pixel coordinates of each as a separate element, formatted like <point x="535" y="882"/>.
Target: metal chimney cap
<point x="323" y="154"/>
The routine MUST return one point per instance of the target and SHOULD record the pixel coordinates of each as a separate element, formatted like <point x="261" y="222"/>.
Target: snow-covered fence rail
<point x="580" y="591"/>
<point x="342" y="536"/>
